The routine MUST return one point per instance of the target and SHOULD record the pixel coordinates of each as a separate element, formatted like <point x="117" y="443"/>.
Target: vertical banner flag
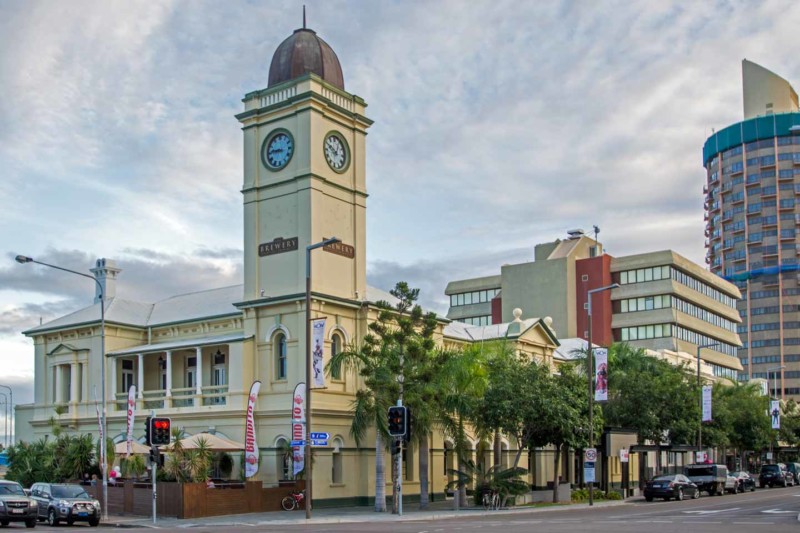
<point x="250" y="445"/>
<point x="298" y="427"/>
<point x="707" y="403"/>
<point x="601" y="375"/>
<point x="318" y="342"/>
<point x="131" y="415"/>
<point x="100" y="427"/>
<point x="775" y="413"/>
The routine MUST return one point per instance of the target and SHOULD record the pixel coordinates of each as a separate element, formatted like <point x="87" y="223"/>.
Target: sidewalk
<point x="436" y="511"/>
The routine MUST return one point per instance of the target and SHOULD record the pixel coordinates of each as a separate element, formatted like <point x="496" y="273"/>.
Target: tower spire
<point x="304" y="16"/>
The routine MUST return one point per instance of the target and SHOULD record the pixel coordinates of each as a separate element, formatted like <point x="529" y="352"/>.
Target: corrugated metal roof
<point x="184" y="343"/>
<point x="461" y="330"/>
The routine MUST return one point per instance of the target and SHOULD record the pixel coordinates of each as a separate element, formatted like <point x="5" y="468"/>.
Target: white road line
<point x="752" y="523"/>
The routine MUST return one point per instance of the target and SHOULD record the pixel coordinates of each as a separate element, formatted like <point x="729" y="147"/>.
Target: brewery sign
<point x="339" y="248"/>
<point x="277" y="246"/>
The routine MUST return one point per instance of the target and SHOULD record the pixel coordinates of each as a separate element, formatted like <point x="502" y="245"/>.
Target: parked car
<point x="772" y="475"/>
<point x="68" y="503"/>
<point x="708" y="477"/>
<point x="731" y="484"/>
<point x="794" y="468"/>
<point x="15" y="506"/>
<point x="746" y="481"/>
<point x="790" y="481"/>
<point x="670" y="486"/>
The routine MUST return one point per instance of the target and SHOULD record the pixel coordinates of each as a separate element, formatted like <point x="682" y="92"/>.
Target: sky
<point x="499" y="125"/>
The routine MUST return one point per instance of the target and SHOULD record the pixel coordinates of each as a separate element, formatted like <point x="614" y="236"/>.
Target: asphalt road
<point x="764" y="510"/>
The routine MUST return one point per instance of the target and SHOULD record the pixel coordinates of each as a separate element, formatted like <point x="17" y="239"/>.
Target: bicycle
<point x="491" y="501"/>
<point x="293" y="501"/>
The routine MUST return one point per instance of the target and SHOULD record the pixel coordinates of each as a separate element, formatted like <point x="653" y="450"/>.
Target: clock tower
<point x="304" y="177"/>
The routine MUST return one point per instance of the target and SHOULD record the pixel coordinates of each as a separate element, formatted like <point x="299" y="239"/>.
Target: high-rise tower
<point x="752" y="187"/>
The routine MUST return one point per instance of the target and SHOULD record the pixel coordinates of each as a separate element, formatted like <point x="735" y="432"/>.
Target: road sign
<point x="319" y="442"/>
<point x="588" y="472"/>
<point x="590" y="455"/>
<point x="298" y="443"/>
<point x="320" y="436"/>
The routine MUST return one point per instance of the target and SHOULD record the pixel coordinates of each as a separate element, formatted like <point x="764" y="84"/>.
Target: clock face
<point x="336" y="153"/>
<point x="277" y="150"/>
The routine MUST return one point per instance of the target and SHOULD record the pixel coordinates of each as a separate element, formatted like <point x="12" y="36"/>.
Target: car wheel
<point x="753" y="488"/>
<point x="667" y="498"/>
<point x="30" y="523"/>
<point x="679" y="497"/>
<point x="94" y="522"/>
<point x="696" y="494"/>
<point x="70" y="521"/>
<point x="648" y="498"/>
<point x="4" y="523"/>
<point x="52" y="518"/>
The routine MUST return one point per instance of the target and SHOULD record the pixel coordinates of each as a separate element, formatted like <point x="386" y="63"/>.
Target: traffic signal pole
<point x="400" y="469"/>
<point x="153" y="470"/>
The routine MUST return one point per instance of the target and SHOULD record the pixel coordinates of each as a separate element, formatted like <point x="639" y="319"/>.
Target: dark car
<point x="67" y="503"/>
<point x="746" y="481"/>
<point x="794" y="468"/>
<point x="15" y="506"/>
<point x="670" y="486"/>
<point x="772" y="475"/>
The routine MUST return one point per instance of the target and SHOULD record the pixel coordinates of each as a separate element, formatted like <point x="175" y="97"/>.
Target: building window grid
<point x="473" y="297"/>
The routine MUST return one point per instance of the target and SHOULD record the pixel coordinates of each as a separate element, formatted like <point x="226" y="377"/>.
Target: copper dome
<point x="304" y="52"/>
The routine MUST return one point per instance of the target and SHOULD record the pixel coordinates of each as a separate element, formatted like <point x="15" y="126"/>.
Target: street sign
<point x="320" y="436"/>
<point x="588" y="472"/>
<point x="298" y="443"/>
<point x="590" y="455"/>
<point x="623" y="455"/>
<point x="319" y="442"/>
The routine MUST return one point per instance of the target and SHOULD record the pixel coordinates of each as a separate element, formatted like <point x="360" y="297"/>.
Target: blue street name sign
<point x="298" y="443"/>
<point x="319" y="436"/>
<point x="319" y="442"/>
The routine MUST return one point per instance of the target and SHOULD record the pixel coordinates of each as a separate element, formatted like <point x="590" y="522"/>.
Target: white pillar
<point x="169" y="374"/>
<point x="112" y="388"/>
<point x="74" y="382"/>
<point x="140" y="378"/>
<point x="199" y="379"/>
<point x="57" y="397"/>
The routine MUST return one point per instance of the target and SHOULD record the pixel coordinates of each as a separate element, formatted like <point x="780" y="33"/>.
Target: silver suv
<point x="15" y="505"/>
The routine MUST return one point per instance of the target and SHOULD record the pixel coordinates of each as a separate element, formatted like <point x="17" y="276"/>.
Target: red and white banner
<point x="298" y="427"/>
<point x="601" y="375"/>
<point x="318" y="342"/>
<point x="131" y="416"/>
<point x="250" y="444"/>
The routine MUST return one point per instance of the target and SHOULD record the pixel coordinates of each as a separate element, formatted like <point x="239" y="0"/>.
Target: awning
<point x="180" y="344"/>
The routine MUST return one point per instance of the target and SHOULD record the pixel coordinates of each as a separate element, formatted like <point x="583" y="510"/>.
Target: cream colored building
<point x="193" y="357"/>
<point x="765" y="93"/>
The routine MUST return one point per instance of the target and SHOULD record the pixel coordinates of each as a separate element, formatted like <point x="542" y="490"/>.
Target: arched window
<point x="279" y="350"/>
<point x="336" y="467"/>
<point x="336" y="347"/>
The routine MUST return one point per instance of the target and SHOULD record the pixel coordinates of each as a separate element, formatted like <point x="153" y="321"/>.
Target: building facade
<point x="752" y="187"/>
<point x="664" y="302"/>
<point x="193" y="357"/>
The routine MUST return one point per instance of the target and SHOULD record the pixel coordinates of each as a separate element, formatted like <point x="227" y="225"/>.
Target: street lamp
<point x="308" y="462"/>
<point x="104" y="427"/>
<point x="5" y="419"/>
<point x="700" y="391"/>
<point x="590" y="373"/>
<point x="11" y="408"/>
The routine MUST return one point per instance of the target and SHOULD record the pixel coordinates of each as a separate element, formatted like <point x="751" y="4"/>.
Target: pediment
<point x="65" y="349"/>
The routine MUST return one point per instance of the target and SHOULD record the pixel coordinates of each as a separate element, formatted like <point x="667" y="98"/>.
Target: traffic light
<point x="147" y="430"/>
<point x="407" y="436"/>
<point x="158" y="431"/>
<point x="397" y="421"/>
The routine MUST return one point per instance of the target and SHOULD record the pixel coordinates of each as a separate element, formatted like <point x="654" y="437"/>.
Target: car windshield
<point x="68" y="491"/>
<point x="740" y="474"/>
<point x="700" y="471"/>
<point x="770" y="468"/>
<point x="11" y="488"/>
<point x="663" y="478"/>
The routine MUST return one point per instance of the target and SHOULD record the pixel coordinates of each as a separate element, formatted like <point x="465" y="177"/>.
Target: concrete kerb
<point x="338" y="516"/>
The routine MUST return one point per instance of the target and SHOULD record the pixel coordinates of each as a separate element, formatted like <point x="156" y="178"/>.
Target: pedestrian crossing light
<point x="397" y="421"/>
<point x="159" y="431"/>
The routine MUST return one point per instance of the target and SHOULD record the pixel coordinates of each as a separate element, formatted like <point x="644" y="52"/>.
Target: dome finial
<point x="304" y="16"/>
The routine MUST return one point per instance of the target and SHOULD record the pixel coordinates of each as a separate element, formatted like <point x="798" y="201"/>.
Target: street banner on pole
<point x="318" y="342"/>
<point x="601" y="375"/>
<point x="775" y="413"/>
<point x="707" y="403"/>
<point x="298" y="427"/>
<point x="250" y="444"/>
<point x="100" y="428"/>
<point x="131" y="416"/>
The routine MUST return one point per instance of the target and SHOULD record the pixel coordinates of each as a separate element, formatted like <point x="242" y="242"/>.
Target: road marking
<point x="710" y="511"/>
<point x="698" y="522"/>
<point x="752" y="523"/>
<point x="777" y="511"/>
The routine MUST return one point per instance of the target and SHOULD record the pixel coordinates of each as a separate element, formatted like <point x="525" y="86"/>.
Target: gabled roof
<point x="467" y="332"/>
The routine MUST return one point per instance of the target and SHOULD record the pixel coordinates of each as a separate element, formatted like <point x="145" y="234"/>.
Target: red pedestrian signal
<point x="160" y="431"/>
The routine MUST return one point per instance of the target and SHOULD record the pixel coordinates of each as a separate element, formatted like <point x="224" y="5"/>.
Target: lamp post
<point x="700" y="392"/>
<point x="590" y="373"/>
<point x="308" y="462"/>
<point x="104" y="428"/>
<point x="5" y="419"/>
<point x="11" y="409"/>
